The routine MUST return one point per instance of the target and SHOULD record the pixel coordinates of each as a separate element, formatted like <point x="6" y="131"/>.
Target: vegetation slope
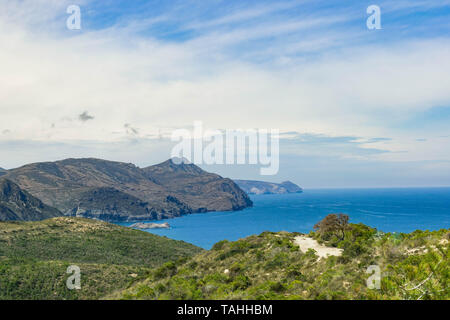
<point x="34" y="257"/>
<point x="271" y="266"/>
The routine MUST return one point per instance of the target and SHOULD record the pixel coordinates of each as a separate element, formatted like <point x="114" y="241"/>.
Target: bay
<point x="389" y="210"/>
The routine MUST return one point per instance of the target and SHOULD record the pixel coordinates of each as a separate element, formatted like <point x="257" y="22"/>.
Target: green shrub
<point x="219" y="245"/>
<point x="166" y="270"/>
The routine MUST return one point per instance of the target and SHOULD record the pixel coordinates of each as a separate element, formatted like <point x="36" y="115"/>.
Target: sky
<point x="355" y="107"/>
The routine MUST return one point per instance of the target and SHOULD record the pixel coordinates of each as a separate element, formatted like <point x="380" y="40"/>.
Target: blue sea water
<point x="389" y="210"/>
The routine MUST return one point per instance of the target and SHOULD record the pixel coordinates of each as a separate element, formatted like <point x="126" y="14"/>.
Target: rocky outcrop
<point x="110" y="204"/>
<point x="261" y="187"/>
<point x="144" y="226"/>
<point x="116" y="191"/>
<point x="18" y="205"/>
<point x="201" y="190"/>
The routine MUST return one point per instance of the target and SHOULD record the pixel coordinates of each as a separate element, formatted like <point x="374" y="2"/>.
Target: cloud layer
<point x="296" y="66"/>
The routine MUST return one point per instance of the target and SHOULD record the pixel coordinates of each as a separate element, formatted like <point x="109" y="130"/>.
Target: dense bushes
<point x="34" y="257"/>
<point x="266" y="266"/>
<point x="271" y="266"/>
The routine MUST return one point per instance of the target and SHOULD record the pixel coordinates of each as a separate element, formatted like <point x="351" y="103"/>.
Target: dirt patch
<point x="306" y="243"/>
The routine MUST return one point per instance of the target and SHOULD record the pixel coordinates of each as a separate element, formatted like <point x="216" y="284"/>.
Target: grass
<point x="271" y="266"/>
<point x="34" y="257"/>
<point x="122" y="263"/>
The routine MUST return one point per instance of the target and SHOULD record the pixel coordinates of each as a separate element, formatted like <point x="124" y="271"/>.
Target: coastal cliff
<point x="18" y="205"/>
<point x="261" y="187"/>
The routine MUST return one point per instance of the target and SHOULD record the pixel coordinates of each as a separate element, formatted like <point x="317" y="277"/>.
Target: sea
<point x="388" y="210"/>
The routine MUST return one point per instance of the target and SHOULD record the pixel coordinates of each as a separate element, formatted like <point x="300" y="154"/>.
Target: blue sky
<point x="358" y="107"/>
<point x="178" y="21"/>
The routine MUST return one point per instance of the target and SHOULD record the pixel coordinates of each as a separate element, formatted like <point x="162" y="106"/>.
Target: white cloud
<point x="122" y="78"/>
<point x="244" y="15"/>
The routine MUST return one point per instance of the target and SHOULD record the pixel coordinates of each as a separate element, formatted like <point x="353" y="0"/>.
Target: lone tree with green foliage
<point x="335" y="223"/>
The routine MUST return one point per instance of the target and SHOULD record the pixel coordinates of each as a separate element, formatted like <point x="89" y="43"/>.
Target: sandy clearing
<point x="306" y="243"/>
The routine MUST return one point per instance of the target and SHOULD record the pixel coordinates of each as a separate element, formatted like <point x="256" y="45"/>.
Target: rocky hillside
<point x="17" y="204"/>
<point x="261" y="187"/>
<point x="34" y="257"/>
<point x="203" y="191"/>
<point x="294" y="266"/>
<point x="2" y="171"/>
<point x="117" y="191"/>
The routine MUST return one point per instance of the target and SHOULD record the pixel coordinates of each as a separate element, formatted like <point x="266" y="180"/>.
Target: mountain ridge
<point x="118" y="191"/>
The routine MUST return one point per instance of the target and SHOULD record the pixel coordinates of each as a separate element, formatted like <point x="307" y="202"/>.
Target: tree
<point x="335" y="223"/>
